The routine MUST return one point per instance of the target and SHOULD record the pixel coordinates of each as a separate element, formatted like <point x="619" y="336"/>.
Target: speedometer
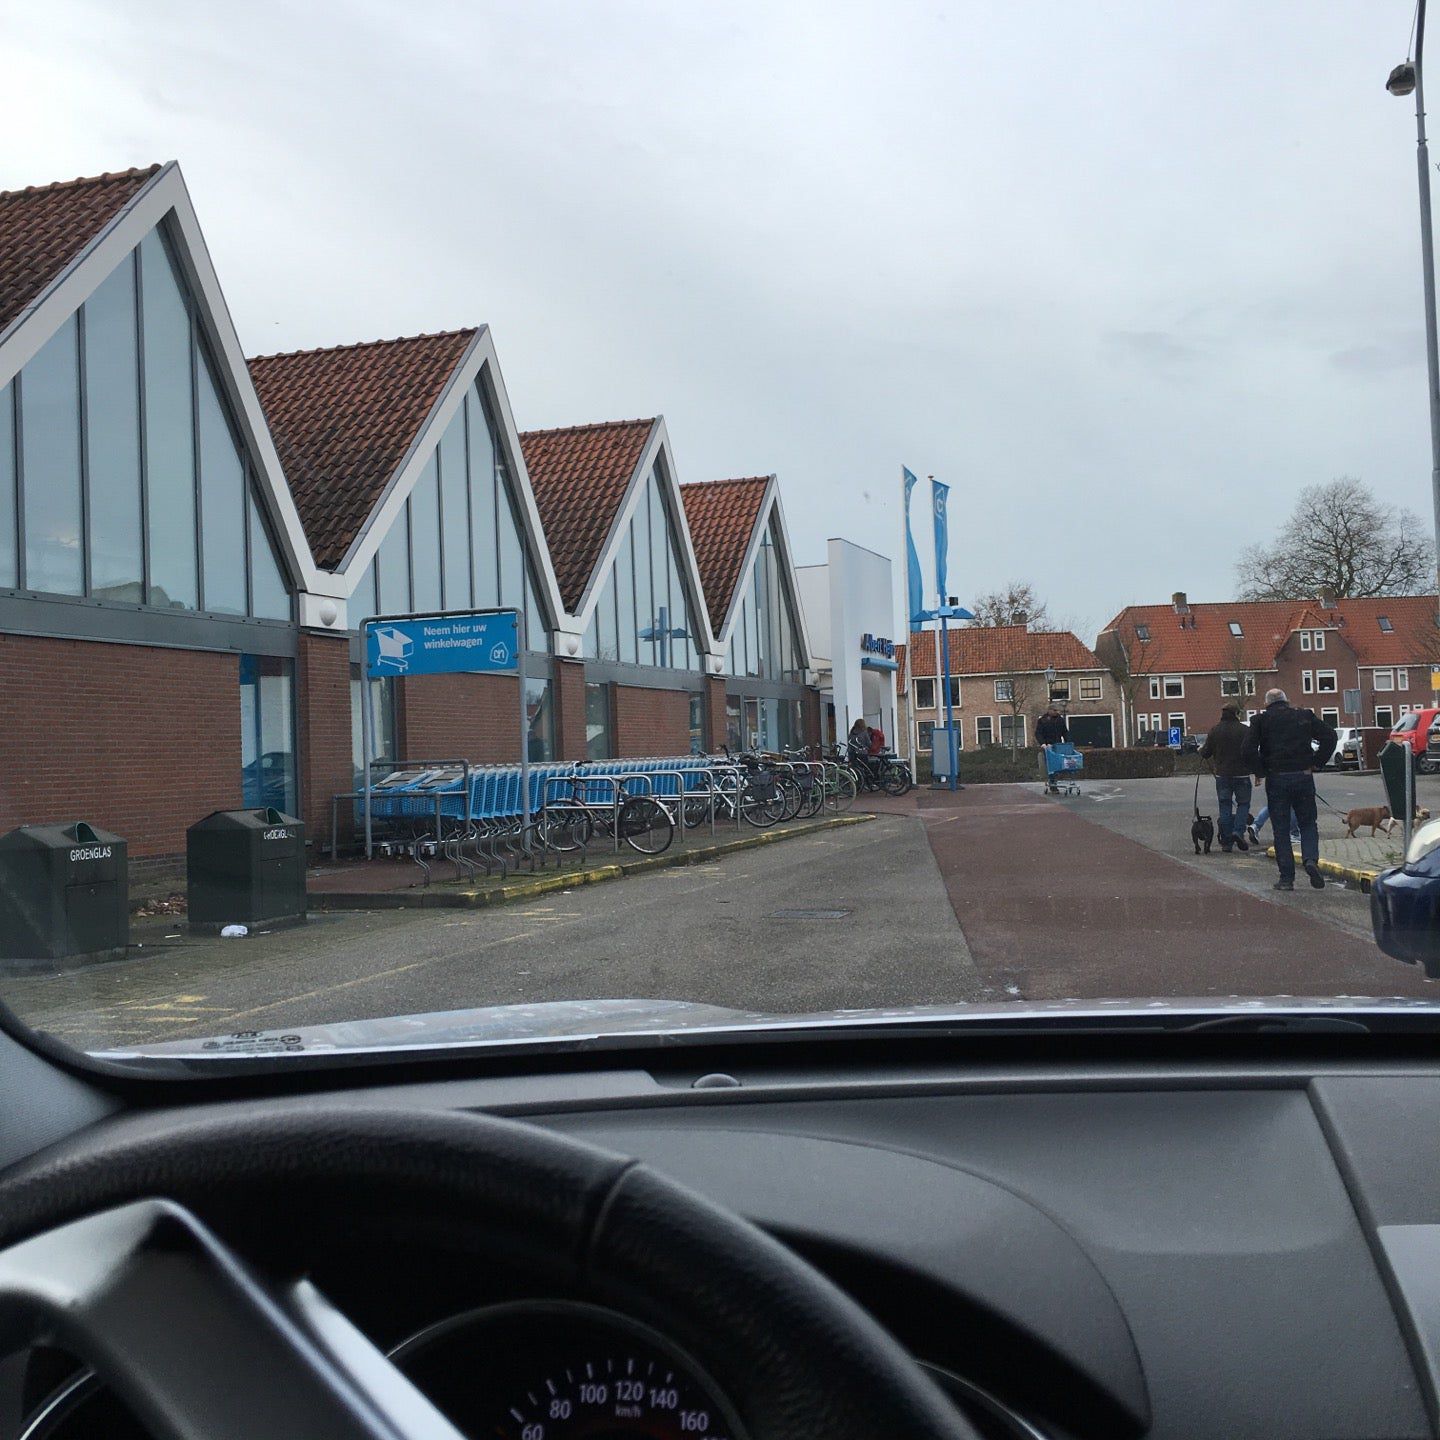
<point x="563" y="1371"/>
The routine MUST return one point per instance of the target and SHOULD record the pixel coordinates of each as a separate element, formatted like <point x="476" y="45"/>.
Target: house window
<point x="1229" y="684"/>
<point x="1386" y="628"/>
<point x="1012" y="724"/>
<point x="1005" y="691"/>
<point x="924" y="694"/>
<point x="1174" y="687"/>
<point x="1060" y="689"/>
<point x="1319" y="639"/>
<point x="1177" y="722"/>
<point x="1235" y="629"/>
<point x="1156" y="721"/>
<point x="1402" y="679"/>
<point x="926" y="735"/>
<point x="1142" y="633"/>
<point x="1304" y="639"/>
<point x="1325" y="682"/>
<point x="1330" y="715"/>
<point x="1384" y="716"/>
<point x="1090" y="688"/>
<point x="1384" y="679"/>
<point x="1154" y="687"/>
<point x="984" y="730"/>
<point x="1307" y="682"/>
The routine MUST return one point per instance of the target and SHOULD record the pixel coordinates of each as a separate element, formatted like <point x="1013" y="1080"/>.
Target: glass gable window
<point x="425" y="587"/>
<point x="643" y="615"/>
<point x="765" y="642"/>
<point x="267" y="731"/>
<point x="160" y="480"/>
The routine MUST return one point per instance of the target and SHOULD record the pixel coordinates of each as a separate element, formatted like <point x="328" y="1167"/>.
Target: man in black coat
<point x="1050" y="729"/>
<point x="1287" y="745"/>
<point x="1225" y="748"/>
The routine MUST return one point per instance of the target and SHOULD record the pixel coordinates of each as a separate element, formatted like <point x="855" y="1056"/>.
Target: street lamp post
<point x="1404" y="80"/>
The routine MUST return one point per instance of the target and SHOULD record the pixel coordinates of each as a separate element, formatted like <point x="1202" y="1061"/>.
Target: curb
<point x="1353" y="874"/>
<point x="531" y="886"/>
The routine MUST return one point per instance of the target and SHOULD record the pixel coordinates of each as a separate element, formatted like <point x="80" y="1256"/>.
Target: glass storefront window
<point x="455" y="514"/>
<point x="425" y="540"/>
<point x="597" y="722"/>
<point x="607" y="636"/>
<point x="697" y="723"/>
<point x="484" y="542"/>
<point x="382" y="700"/>
<point x="9" y="574"/>
<point x="222" y="506"/>
<point x="625" y="600"/>
<point x="267" y="732"/>
<point x="50" y="461"/>
<point x="393" y="568"/>
<point x="734" y="735"/>
<point x="539" y="710"/>
<point x="269" y="595"/>
<point x="112" y="420"/>
<point x="512" y="553"/>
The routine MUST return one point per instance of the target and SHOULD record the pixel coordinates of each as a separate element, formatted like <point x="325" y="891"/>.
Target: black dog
<point x="1202" y="832"/>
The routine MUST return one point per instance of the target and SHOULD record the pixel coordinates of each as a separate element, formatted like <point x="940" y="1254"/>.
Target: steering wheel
<point x="110" y="1246"/>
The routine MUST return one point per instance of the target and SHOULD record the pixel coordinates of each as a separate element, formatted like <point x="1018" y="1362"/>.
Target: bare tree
<point x="1241" y="679"/>
<point x="1015" y="603"/>
<point x="1341" y="539"/>
<point x="1131" y="662"/>
<point x="1015" y="689"/>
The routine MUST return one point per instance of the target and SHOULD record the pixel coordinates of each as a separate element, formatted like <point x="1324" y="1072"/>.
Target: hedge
<point x="993" y="765"/>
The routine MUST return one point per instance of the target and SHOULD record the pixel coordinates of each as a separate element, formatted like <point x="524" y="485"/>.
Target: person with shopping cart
<point x="1050" y="730"/>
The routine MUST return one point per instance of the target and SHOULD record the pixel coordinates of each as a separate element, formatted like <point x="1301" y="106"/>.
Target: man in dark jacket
<point x="1225" y="748"/>
<point x="1282" y="746"/>
<point x="1050" y="729"/>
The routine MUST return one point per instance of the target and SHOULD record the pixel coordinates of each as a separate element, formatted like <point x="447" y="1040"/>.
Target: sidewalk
<point x="1358" y="860"/>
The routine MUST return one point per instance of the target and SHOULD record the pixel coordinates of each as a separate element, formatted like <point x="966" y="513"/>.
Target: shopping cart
<point x="1064" y="765"/>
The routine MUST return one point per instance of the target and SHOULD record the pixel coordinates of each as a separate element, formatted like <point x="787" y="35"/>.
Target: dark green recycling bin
<point x="64" y="894"/>
<point x="245" y="867"/>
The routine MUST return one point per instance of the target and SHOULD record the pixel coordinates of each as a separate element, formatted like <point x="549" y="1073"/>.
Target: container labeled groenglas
<point x="245" y="867"/>
<point x="64" y="894"/>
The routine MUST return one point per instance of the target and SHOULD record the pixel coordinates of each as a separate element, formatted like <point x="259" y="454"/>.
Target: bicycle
<point x="746" y="791"/>
<point x="569" y="822"/>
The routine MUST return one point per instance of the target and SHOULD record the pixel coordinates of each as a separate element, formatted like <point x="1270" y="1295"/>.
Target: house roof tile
<point x="1000" y="650"/>
<point x="343" y="420"/>
<point x="1200" y="639"/>
<point x="722" y="515"/>
<point x="580" y="475"/>
<point x="45" y="227"/>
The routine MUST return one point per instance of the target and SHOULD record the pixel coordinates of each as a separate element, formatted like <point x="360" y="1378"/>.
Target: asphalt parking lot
<point x="998" y="893"/>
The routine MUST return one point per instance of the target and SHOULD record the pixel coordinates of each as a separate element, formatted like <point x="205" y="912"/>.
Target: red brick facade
<point x="651" y="722"/>
<point x="569" y="701"/>
<point x="135" y="739"/>
<point x="326" y="763"/>
<point x="458" y="717"/>
<point x="715" y="721"/>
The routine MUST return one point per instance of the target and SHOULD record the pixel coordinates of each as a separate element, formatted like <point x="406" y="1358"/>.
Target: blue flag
<point x="917" y="597"/>
<point x="941" y="495"/>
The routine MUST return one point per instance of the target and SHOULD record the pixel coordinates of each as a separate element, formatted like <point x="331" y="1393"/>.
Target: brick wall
<point x="459" y="717"/>
<point x="569" y="701"/>
<point x="651" y="722"/>
<point x="135" y="739"/>
<point x="810" y="718"/>
<point x="715" y="723"/>
<point x="322" y="702"/>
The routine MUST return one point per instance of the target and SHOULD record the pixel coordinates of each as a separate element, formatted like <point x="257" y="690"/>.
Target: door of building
<point x="1091" y="730"/>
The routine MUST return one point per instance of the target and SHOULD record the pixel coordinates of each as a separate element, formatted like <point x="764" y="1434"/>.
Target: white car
<point x="1349" y="750"/>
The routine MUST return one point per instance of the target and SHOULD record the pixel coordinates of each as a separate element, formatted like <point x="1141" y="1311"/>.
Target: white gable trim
<point x="165" y="195"/>
<point x="769" y="505"/>
<point x="478" y="363"/>
<point x="655" y="455"/>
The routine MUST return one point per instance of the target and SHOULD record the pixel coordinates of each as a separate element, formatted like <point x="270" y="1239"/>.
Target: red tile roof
<point x="344" y="418"/>
<point x="580" y="475"/>
<point x="45" y="227"/>
<point x="722" y="516"/>
<point x="1000" y="650"/>
<point x="1203" y="642"/>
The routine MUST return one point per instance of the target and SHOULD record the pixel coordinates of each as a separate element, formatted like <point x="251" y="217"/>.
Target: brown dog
<point x="1377" y="817"/>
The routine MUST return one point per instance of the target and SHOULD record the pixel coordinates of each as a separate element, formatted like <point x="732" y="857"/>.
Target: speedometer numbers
<point x="561" y="1371"/>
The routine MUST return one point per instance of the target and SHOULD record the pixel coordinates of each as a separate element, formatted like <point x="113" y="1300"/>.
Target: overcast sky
<point x="1126" y="275"/>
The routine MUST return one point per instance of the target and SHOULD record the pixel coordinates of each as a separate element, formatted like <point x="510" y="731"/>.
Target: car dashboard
<point x="1089" y="1251"/>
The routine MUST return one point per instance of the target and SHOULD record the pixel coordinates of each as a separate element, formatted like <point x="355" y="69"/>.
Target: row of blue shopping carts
<point x="476" y="816"/>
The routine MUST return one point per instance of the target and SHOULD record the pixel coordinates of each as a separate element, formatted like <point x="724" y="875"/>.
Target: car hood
<point x="581" y="1021"/>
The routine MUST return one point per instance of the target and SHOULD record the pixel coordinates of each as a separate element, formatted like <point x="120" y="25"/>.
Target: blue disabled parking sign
<point x="1177" y="737"/>
<point x="443" y="644"/>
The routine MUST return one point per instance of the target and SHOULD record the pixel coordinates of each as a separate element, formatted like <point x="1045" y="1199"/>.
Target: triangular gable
<point x="578" y="476"/>
<point x="359" y="425"/>
<point x="723" y="515"/>
<point x="107" y="219"/>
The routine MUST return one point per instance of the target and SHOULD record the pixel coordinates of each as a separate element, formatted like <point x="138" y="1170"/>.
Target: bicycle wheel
<point x="814" y="797"/>
<point x="761" y="805"/>
<point x="695" y="811"/>
<point x="895" y="779"/>
<point x="842" y="790"/>
<point x="791" y="797"/>
<point x="566" y="830"/>
<point x="645" y="825"/>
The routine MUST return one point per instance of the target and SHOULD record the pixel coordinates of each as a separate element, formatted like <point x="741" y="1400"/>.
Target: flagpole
<point x="941" y="568"/>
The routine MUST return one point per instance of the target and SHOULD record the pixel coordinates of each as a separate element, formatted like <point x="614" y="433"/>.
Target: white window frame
<point x="1099" y="691"/>
<point x="1230" y="686"/>
<point x="1307" y="682"/>
<point x="1330" y="715"/>
<point x="989" y="738"/>
<point x="1178" y="693"/>
<point x="1012" y="721"/>
<point x="1321" y="688"/>
<point x="1005" y="692"/>
<point x="954" y="692"/>
<point x="1156" y="721"/>
<point x="1155" y="687"/>
<point x="1174" y="718"/>
<point x="924" y="680"/>
<point x="1402" y="678"/>
<point x="1237" y="629"/>
<point x="1304" y="639"/>
<point x="1390" y="711"/>
<point x="1388" y="683"/>
<point x="1054" y="687"/>
<point x="1319" y="639"/>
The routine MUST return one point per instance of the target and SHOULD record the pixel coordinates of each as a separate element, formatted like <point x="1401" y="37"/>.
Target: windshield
<point x="527" y="522"/>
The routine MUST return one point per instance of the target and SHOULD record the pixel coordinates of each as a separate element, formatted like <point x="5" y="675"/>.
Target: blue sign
<point x="1177" y="737"/>
<point x="443" y="645"/>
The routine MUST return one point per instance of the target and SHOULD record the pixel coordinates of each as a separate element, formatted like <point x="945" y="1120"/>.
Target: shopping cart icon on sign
<point x="393" y="650"/>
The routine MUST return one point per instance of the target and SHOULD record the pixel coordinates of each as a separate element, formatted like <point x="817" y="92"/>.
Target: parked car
<point x="1349" y="749"/>
<point x="1191" y="744"/>
<point x="1416" y="730"/>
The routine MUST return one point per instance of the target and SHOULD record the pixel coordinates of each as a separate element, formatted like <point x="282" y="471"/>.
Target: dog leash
<point x="1197" y="794"/>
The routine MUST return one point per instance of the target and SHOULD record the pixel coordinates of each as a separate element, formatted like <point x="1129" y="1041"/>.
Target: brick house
<point x="998" y="682"/>
<point x="1177" y="664"/>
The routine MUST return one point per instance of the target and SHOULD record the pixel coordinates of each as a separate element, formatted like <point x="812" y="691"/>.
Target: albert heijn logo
<point x="877" y="645"/>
